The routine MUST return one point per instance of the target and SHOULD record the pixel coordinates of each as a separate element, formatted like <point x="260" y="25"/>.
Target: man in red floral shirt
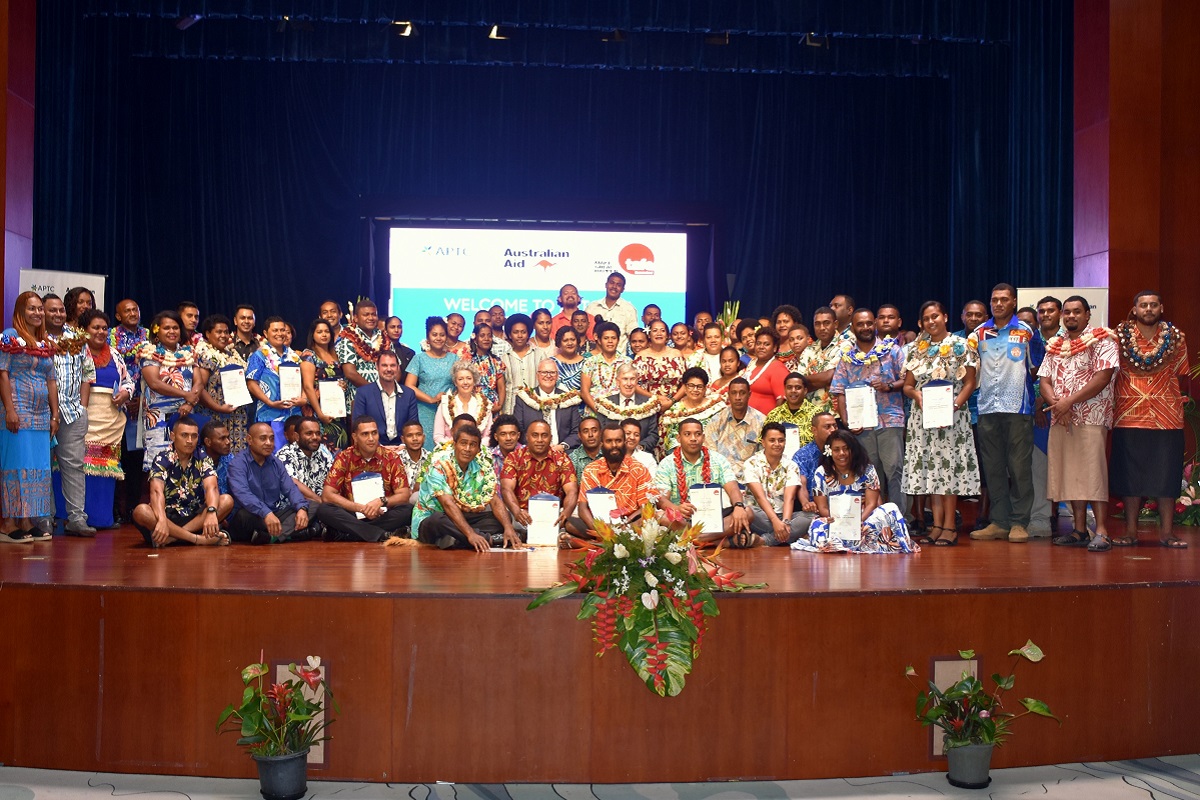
<point x="537" y="469"/>
<point x="368" y="520"/>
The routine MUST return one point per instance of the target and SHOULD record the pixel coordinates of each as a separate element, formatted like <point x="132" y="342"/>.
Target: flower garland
<point x="469" y="499"/>
<point x="69" y="343"/>
<point x="670" y="420"/>
<point x="273" y="359"/>
<point x="16" y="345"/>
<point x="939" y="359"/>
<point x="363" y="348"/>
<point x="1064" y="346"/>
<point x="181" y="356"/>
<point x="853" y="355"/>
<point x="219" y="358"/>
<point x="681" y="476"/>
<point x="531" y="398"/>
<point x="484" y="406"/>
<point x="1163" y="345"/>
<point x="638" y="412"/>
<point x="127" y="344"/>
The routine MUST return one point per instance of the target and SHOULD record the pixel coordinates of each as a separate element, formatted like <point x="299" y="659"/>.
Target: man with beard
<point x="589" y="446"/>
<point x="1076" y="388"/>
<point x="307" y="460"/>
<point x="626" y="478"/>
<point x="1147" y="440"/>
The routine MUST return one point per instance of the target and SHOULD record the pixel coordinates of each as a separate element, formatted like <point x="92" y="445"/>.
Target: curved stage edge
<point x="122" y="659"/>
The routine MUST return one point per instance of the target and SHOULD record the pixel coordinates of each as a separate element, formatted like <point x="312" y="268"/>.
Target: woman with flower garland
<point x="167" y="391"/>
<point x="568" y="359"/>
<point x="599" y="375"/>
<point x="30" y="393"/>
<point x="765" y="373"/>
<point x="320" y="363"/>
<point x="697" y="403"/>
<point x="940" y="461"/>
<point x="846" y="470"/>
<point x="731" y="367"/>
<point x="106" y="420"/>
<point x="466" y="397"/>
<point x="489" y="366"/>
<point x="660" y="367"/>
<point x="214" y="353"/>
<point x="429" y="374"/>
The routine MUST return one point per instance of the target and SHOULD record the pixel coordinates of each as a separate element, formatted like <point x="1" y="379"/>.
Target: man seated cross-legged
<point x="381" y="516"/>
<point x="271" y="507"/>
<point x="538" y="468"/>
<point x="692" y="463"/>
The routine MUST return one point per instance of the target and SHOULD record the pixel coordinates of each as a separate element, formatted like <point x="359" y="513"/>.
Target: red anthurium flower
<point x="312" y="677"/>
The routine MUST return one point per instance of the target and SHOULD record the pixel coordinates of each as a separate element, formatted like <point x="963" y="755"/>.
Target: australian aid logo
<point x="636" y="259"/>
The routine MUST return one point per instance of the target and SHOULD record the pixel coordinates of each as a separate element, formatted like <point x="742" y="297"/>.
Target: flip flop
<point x="1123" y="541"/>
<point x="1099" y="544"/>
<point x="741" y="540"/>
<point x="1075" y="538"/>
<point x="1173" y="542"/>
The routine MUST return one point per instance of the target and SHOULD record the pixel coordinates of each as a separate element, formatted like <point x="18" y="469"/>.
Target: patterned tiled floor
<point x="1148" y="779"/>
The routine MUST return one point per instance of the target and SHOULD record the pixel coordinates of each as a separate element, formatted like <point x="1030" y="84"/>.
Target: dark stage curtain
<point x="230" y="181"/>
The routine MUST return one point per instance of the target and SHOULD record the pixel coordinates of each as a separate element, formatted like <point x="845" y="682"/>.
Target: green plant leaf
<point x="966" y="655"/>
<point x="553" y="593"/>
<point x="1004" y="683"/>
<point x="1040" y="708"/>
<point x="909" y="671"/>
<point x="1030" y="651"/>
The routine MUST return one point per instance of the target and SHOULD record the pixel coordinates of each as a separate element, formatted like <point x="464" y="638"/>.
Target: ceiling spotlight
<point x="812" y="40"/>
<point x="497" y="33"/>
<point x="717" y="38"/>
<point x="186" y="22"/>
<point x="613" y="36"/>
<point x="403" y="28"/>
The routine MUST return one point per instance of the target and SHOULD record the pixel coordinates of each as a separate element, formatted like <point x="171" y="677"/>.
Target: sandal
<point x="1174" y="542"/>
<point x="741" y="540"/>
<point x="1075" y="538"/>
<point x="1123" y="541"/>
<point x="927" y="537"/>
<point x="947" y="542"/>
<point x="1099" y="544"/>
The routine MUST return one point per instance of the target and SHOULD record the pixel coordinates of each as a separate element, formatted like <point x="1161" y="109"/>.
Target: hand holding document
<point x="862" y="408"/>
<point x="542" y="530"/>
<point x="333" y="399"/>
<point x="937" y="405"/>
<point x="706" y="499"/>
<point x="233" y="386"/>
<point x="289" y="381"/>
<point x="602" y="502"/>
<point x="364" y="488"/>
<point x="846" y="513"/>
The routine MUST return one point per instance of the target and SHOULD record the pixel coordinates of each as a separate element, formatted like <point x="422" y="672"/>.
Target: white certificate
<point x="791" y="442"/>
<point x="233" y="386"/>
<point x="846" y="511"/>
<point x="602" y="502"/>
<point x="364" y="488"/>
<point x="937" y="405"/>
<point x="706" y="497"/>
<point x="333" y="399"/>
<point x="543" y="520"/>
<point x="862" y="409"/>
<point x="289" y="381"/>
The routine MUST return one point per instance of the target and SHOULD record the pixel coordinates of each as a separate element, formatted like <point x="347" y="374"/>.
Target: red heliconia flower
<point x="590" y="557"/>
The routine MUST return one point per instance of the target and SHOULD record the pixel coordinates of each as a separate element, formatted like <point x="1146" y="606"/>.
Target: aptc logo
<point x="635" y="259"/>
<point x="432" y="250"/>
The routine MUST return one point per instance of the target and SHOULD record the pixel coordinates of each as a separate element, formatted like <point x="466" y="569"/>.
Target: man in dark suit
<point x="628" y="397"/>
<point x="386" y="401"/>
<point x="561" y="410"/>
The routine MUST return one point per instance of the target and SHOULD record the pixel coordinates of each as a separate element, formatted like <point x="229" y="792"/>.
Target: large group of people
<point x="849" y="434"/>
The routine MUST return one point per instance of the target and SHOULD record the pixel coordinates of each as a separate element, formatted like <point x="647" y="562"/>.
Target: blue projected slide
<point x="436" y="271"/>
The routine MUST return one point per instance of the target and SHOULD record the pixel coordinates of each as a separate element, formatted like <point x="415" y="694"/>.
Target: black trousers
<point x="245" y="524"/>
<point x="129" y="491"/>
<point x="348" y="524"/>
<point x="438" y="529"/>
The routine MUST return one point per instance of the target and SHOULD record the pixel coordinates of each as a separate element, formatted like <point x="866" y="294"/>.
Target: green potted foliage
<point x="278" y="725"/>
<point x="973" y="720"/>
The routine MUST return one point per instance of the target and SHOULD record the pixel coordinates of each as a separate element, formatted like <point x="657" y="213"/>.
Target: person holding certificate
<point x="323" y="379"/>
<point x="686" y="480"/>
<point x="616" y="474"/>
<point x="866" y="389"/>
<point x="273" y="379"/>
<point x="366" y="494"/>
<point x="939" y="455"/>
<point x="215" y="361"/>
<point x="537" y="469"/>
<point x="773" y="482"/>
<point x="850" y="518"/>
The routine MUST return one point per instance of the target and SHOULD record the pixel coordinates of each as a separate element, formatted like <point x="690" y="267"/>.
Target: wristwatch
<point x="383" y="504"/>
<point x="211" y="510"/>
<point x="739" y="504"/>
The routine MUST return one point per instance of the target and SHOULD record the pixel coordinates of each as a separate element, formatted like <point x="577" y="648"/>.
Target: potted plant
<point x="973" y="720"/>
<point x="278" y="724"/>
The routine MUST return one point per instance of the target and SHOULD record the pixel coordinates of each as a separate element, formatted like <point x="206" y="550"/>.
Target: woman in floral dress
<point x="660" y="367"/>
<point x="846" y="470"/>
<point x="492" y="372"/>
<point x="168" y="393"/>
<point x="599" y="375"/>
<point x="940" y="461"/>
<point x="569" y="360"/>
<point x="213" y="353"/>
<point x="320" y="363"/>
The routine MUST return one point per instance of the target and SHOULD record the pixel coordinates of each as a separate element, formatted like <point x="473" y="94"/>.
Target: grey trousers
<point x="885" y="448"/>
<point x="1039" y="515"/>
<point x="760" y="523"/>
<point x="1006" y="447"/>
<point x="69" y="453"/>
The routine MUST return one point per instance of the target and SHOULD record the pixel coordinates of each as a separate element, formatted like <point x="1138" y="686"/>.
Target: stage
<point x="122" y="658"/>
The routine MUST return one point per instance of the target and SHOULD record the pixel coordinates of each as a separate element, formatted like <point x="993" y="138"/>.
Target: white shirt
<point x="551" y="417"/>
<point x="645" y="459"/>
<point x="622" y="314"/>
<point x="773" y="481"/>
<point x="389" y="408"/>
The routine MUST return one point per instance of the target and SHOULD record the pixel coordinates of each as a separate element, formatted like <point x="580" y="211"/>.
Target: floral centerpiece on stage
<point x="283" y="719"/>
<point x="651" y="593"/>
<point x="1187" y="507"/>
<point x="967" y="713"/>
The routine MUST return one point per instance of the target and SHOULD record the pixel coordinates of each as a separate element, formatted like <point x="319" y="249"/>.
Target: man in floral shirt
<point x="772" y="483"/>
<point x="346" y="517"/>
<point x="458" y="506"/>
<point x="537" y="469"/>
<point x="307" y="460"/>
<point x="184" y="507"/>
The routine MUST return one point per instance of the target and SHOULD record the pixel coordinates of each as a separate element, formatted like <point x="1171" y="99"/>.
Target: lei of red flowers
<point x="16" y="345"/>
<point x="364" y="350"/>
<point x="1064" y="346"/>
<point x="681" y="477"/>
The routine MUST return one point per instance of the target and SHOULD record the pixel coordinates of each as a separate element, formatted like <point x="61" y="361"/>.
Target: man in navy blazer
<point x="375" y="400"/>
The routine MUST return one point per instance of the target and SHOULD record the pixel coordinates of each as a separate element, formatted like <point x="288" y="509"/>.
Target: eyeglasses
<point x="693" y="386"/>
<point x="547" y="372"/>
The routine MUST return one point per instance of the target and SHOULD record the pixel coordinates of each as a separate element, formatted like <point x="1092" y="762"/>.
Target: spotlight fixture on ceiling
<point x="404" y="28"/>
<point x="188" y="21"/>
<point x="717" y="38"/>
<point x="498" y="33"/>
<point x="812" y="40"/>
<point x="613" y="36"/>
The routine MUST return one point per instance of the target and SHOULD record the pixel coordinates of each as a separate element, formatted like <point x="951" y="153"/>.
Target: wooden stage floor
<point x="121" y="658"/>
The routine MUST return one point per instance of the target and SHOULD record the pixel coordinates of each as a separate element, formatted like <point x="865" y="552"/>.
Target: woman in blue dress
<point x="569" y="359"/>
<point x="167" y="386"/>
<point x="30" y="394"/>
<point x="846" y="470"/>
<point x="429" y="374"/>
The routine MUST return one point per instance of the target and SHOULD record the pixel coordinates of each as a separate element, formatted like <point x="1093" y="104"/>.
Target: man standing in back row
<point x="614" y="309"/>
<point x="1008" y="356"/>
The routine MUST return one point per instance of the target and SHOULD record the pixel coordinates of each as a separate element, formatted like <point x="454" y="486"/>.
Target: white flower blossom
<point x="650" y="579"/>
<point x="620" y="551"/>
<point x="650" y="599"/>
<point x="673" y="557"/>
